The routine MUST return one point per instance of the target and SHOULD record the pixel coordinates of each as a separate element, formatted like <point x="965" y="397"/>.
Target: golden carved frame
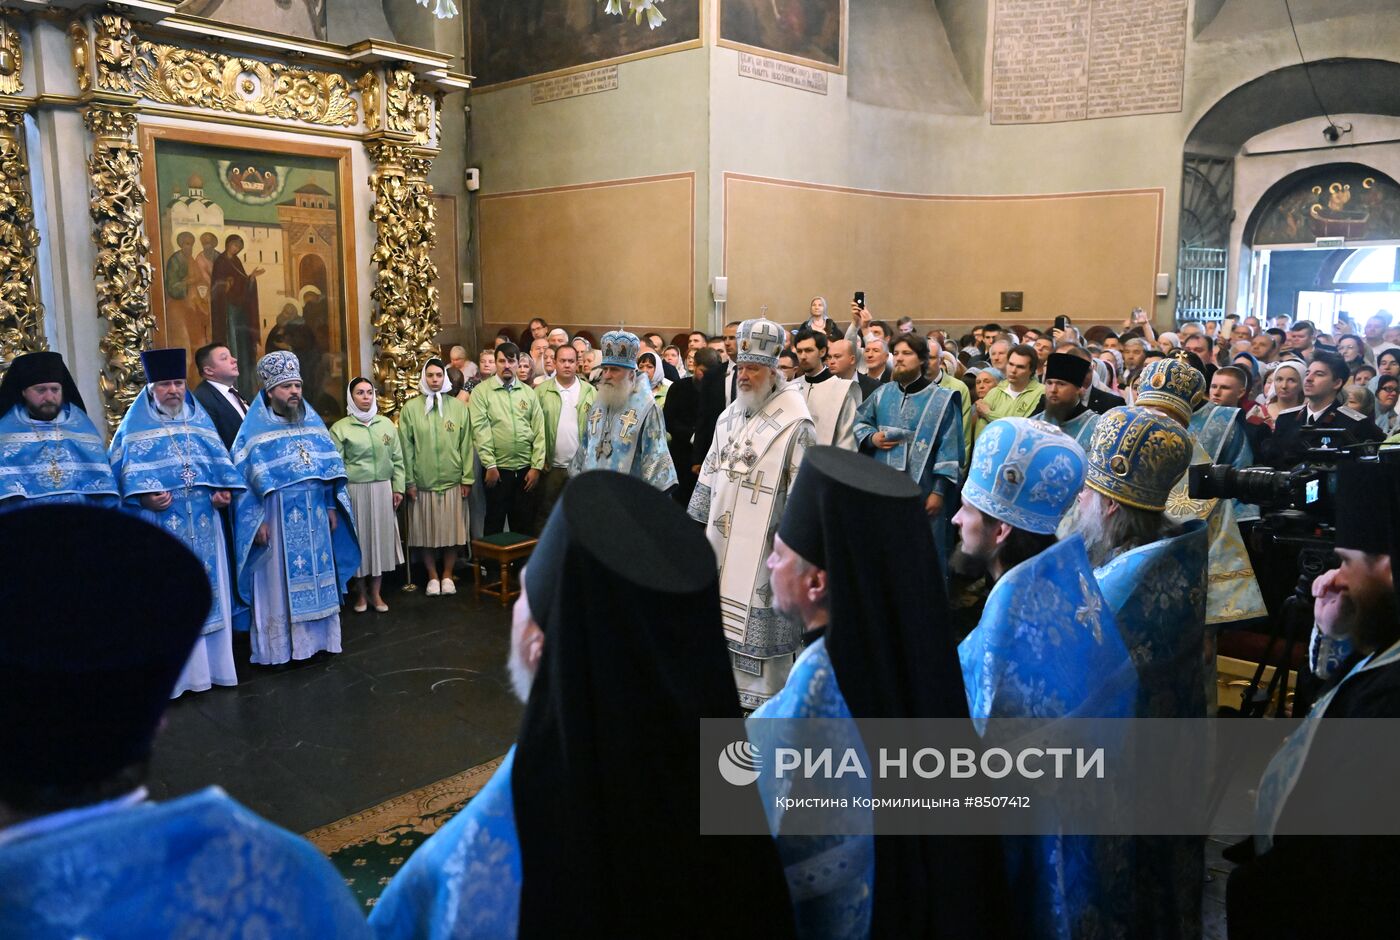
<point x="385" y="96"/>
<point x="148" y="134"/>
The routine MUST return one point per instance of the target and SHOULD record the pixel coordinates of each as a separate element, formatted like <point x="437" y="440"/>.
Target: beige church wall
<point x="944" y="258"/>
<point x="592" y="255"/>
<point x="829" y="140"/>
<point x="654" y="124"/>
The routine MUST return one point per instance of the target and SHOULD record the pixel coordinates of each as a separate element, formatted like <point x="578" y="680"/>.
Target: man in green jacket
<point x="565" y="401"/>
<point x="1017" y="395"/>
<point x="436" y="433"/>
<point x="508" y="427"/>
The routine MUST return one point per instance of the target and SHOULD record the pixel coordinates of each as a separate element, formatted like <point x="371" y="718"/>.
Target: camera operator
<point x="1301" y="886"/>
<point x="1322" y="407"/>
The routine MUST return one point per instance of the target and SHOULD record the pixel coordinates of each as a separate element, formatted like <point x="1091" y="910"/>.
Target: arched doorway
<point x="311" y="272"/>
<point x="1253" y="139"/>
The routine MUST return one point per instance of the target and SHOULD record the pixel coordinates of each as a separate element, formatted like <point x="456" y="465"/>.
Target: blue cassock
<point x="58" y="461"/>
<point x="630" y="439"/>
<point x="1157" y="594"/>
<point x="831" y="878"/>
<point x="464" y="882"/>
<point x="184" y="457"/>
<point x="932" y="449"/>
<point x="1048" y="646"/>
<point x="298" y="461"/>
<point x="197" y="866"/>
<point x="1220" y="432"/>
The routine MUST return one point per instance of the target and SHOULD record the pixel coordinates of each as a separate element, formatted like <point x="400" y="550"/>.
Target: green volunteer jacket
<point x="508" y="426"/>
<point x="372" y="452"/>
<point x="1002" y="405"/>
<point x="551" y="404"/>
<point x="437" y="446"/>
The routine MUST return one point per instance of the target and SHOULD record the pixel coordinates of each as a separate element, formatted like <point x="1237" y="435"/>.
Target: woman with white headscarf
<point x="1286" y="388"/>
<point x="435" y="429"/>
<point x="369" y="444"/>
<point x="819" y="320"/>
<point x="649" y="367"/>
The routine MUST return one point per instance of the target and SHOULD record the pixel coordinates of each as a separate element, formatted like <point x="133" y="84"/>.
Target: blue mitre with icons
<point x="1025" y="473"/>
<point x="1136" y="456"/>
<point x="1171" y="385"/>
<point x="278" y="368"/>
<point x="620" y="348"/>
<point x="759" y="341"/>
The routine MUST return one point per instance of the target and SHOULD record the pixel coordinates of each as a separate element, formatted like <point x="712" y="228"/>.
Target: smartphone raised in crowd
<point x="860" y="299"/>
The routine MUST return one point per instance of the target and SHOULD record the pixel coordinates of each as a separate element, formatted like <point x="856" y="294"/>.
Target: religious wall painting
<point x="1350" y="201"/>
<point x="253" y="247"/>
<point x="305" y="19"/>
<point x="510" y="41"/>
<point x="809" y="32"/>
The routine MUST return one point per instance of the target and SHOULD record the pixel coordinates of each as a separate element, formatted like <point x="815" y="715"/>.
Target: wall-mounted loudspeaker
<point x="1164" y="285"/>
<point x="720" y="289"/>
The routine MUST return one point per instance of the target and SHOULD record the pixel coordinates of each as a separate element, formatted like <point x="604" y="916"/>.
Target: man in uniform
<point x="173" y="469"/>
<point x="295" y="530"/>
<point x="758" y="444"/>
<point x="1322" y="407"/>
<point x="50" y="451"/>
<point x="625" y="430"/>
<point x="832" y="401"/>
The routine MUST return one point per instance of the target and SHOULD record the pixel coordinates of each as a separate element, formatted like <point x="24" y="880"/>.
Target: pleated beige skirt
<point x="437" y="520"/>
<point x="377" y="527"/>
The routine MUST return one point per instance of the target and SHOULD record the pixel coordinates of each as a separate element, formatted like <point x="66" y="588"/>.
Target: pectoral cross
<point x="756" y="487"/>
<point x="303" y="454"/>
<point x="54" y="472"/>
<point x="628" y="419"/>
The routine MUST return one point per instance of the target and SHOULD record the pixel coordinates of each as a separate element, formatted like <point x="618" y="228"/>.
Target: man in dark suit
<point x="1321" y="408"/>
<point x="716" y="392"/>
<point x="218" y="392"/>
<point x="681" y="412"/>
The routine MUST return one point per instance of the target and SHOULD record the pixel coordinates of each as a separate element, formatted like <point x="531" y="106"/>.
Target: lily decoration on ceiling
<point x="637" y="9"/>
<point x="442" y="9"/>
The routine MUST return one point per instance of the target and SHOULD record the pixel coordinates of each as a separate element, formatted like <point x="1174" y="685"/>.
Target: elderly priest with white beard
<point x="624" y="430"/>
<point x="172" y="468"/>
<point x="758" y="444"/>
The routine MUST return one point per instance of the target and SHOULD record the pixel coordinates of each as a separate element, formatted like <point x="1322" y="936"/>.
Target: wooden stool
<point x="502" y="548"/>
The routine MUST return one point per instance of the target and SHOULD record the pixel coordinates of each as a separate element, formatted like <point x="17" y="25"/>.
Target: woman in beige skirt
<point x="435" y="431"/>
<point x="369" y="444"/>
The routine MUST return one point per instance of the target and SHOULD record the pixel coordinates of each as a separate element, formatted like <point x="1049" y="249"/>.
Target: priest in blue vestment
<point x="1153" y="574"/>
<point x="878" y="646"/>
<point x="625" y="430"/>
<point x="912" y="425"/>
<point x="294" y="529"/>
<point x="173" y="470"/>
<point x="1066" y="376"/>
<point x="590" y="825"/>
<point x="50" y="451"/>
<point x="1046" y="647"/>
<point x="85" y="677"/>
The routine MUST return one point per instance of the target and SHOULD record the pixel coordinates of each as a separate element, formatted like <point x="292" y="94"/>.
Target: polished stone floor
<point x="419" y="693"/>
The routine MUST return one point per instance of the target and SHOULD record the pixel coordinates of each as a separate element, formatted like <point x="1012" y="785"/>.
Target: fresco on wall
<point x="807" y="31"/>
<point x="515" y="39"/>
<point x="1353" y="202"/>
<point x="249" y="252"/>
<point x="302" y="18"/>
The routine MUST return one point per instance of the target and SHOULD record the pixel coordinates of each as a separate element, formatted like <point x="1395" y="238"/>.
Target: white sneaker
<point x="434" y="589"/>
<point x="448" y="587"/>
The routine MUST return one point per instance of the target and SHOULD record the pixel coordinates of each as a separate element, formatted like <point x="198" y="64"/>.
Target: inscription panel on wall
<point x="1072" y="60"/>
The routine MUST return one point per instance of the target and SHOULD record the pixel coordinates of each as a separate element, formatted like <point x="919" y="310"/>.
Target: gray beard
<point x="752" y="401"/>
<point x="615" y="396"/>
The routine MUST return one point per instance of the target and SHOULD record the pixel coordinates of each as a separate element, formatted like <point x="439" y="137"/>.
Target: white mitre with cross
<point x="759" y="341"/>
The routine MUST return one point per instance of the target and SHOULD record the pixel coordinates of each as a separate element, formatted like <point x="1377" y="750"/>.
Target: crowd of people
<point x="764" y="523"/>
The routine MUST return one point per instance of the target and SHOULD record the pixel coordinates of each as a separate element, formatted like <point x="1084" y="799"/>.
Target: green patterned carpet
<point x="368" y="848"/>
